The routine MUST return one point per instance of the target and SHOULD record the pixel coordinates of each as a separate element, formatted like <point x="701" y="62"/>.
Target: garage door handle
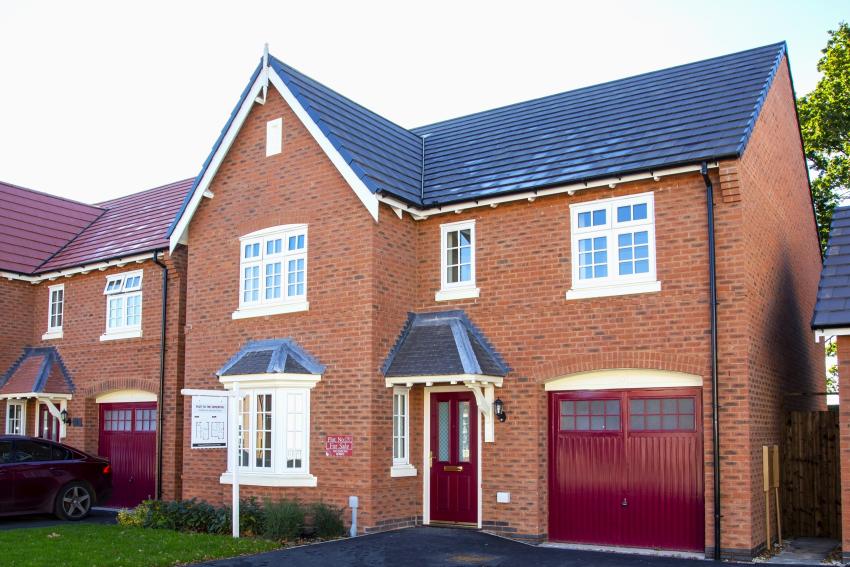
<point x="624" y="503"/>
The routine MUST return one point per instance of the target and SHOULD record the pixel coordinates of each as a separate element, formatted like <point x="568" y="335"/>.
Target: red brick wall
<point x="16" y="299"/>
<point x="98" y="367"/>
<point x="785" y="365"/>
<point x="253" y="191"/>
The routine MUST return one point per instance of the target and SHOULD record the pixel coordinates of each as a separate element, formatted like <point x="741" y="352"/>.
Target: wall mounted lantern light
<point x="499" y="410"/>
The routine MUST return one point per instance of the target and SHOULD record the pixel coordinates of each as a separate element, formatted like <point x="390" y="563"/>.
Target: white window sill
<point x="270" y="479"/>
<point x="50" y="335"/>
<point x="118" y="335"/>
<point x="266" y="310"/>
<point x="402" y="470"/>
<point x="614" y="290"/>
<point x="457" y="293"/>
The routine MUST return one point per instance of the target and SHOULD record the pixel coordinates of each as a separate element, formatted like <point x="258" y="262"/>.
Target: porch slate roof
<point x="441" y="344"/>
<point x="273" y="356"/>
<point x="833" y="303"/>
<point x="39" y="370"/>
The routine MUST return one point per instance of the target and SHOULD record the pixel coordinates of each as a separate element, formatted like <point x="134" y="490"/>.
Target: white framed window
<point x="613" y="247"/>
<point x="273" y="271"/>
<point x="273" y="436"/>
<point x="457" y="261"/>
<point x="123" y="306"/>
<point x="274" y="137"/>
<point x="55" y="311"/>
<point x="16" y="418"/>
<point x="401" y="433"/>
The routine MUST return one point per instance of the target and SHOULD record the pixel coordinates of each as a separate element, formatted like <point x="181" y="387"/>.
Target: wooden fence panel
<point x="811" y="477"/>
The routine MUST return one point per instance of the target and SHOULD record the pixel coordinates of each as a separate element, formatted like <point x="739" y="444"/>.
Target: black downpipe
<point x="715" y="396"/>
<point x="161" y="398"/>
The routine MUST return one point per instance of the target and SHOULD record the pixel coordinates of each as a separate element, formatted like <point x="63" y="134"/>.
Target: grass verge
<point x="90" y="545"/>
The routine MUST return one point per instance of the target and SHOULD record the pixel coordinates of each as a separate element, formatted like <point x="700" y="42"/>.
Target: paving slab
<point x="804" y="551"/>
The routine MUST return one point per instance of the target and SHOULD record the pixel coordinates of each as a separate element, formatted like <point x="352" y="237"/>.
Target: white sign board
<point x="209" y="422"/>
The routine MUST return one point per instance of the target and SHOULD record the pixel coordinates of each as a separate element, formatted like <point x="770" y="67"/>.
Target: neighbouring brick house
<point x="394" y="289"/>
<point x="80" y="337"/>
<point x="832" y="319"/>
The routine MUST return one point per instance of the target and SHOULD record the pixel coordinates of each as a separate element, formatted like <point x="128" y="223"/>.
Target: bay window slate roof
<point x="38" y="370"/>
<point x="273" y="356"/>
<point x="833" y="303"/>
<point x="43" y="233"/>
<point x="441" y="344"/>
<point x="685" y="114"/>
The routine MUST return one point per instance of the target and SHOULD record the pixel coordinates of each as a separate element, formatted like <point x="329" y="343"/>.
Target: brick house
<point x="83" y="356"/>
<point x="832" y="319"/>
<point x="509" y="318"/>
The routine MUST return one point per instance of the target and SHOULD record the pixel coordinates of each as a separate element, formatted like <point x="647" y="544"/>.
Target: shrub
<point x="327" y="520"/>
<point x="284" y="520"/>
<point x="134" y="517"/>
<point x="192" y="516"/>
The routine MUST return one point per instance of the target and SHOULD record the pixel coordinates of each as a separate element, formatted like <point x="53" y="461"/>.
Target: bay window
<point x="613" y="247"/>
<point x="273" y="435"/>
<point x="273" y="272"/>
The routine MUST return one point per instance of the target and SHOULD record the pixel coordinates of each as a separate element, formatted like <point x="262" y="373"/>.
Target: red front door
<point x="128" y="440"/>
<point x="626" y="468"/>
<point x="48" y="426"/>
<point x="454" y="458"/>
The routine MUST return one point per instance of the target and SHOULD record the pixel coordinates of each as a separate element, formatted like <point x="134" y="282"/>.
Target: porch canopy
<point x="447" y="348"/>
<point x="40" y="374"/>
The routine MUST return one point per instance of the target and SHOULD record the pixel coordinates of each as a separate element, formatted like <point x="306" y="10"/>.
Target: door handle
<point x="452" y="468"/>
<point x="431" y="460"/>
<point x="624" y="503"/>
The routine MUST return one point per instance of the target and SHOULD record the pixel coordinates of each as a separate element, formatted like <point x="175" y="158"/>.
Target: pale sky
<point x="101" y="99"/>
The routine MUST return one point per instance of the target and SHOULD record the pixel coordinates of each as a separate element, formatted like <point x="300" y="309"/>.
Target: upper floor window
<point x="273" y="271"/>
<point x="457" y="261"/>
<point x="55" y="311"/>
<point x="123" y="306"/>
<point x="613" y="247"/>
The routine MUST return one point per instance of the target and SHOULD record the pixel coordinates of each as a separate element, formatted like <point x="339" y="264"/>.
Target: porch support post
<point x="484" y="400"/>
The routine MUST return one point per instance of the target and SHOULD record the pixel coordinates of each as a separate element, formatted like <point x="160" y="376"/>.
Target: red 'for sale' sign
<point x="339" y="445"/>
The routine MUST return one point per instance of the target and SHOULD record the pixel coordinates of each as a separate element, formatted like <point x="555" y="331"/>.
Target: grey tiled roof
<point x="833" y="305"/>
<point x="275" y="356"/>
<point x="443" y="343"/>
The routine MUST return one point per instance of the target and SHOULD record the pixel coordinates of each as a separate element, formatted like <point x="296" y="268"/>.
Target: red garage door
<point x="128" y="440"/>
<point x="626" y="468"/>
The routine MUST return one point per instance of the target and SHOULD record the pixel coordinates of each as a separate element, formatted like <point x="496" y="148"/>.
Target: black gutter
<point x="715" y="397"/>
<point x="161" y="397"/>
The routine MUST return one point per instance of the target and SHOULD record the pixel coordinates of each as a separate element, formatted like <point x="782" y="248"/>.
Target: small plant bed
<point x="285" y="521"/>
<point x="87" y="545"/>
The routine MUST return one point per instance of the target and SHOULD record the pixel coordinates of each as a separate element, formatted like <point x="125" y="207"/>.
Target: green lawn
<point x="89" y="545"/>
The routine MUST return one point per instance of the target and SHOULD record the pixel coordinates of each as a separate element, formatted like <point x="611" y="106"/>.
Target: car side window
<point x="32" y="452"/>
<point x="61" y="453"/>
<point x="5" y="452"/>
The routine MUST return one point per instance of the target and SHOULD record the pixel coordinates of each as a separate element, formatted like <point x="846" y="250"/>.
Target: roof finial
<point x="265" y="75"/>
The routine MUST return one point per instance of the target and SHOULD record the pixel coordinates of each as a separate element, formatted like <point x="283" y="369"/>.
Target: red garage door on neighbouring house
<point x="128" y="440"/>
<point x="626" y="468"/>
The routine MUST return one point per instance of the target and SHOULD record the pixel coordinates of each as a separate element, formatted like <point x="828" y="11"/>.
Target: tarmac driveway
<point x="43" y="520"/>
<point x="441" y="546"/>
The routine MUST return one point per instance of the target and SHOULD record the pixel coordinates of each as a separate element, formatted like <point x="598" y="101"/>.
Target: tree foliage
<point x="825" y="123"/>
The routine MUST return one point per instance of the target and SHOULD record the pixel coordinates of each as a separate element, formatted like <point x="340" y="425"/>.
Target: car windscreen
<point x="5" y="452"/>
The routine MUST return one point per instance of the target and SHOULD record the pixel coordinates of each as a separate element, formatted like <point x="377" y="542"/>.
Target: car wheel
<point x="74" y="501"/>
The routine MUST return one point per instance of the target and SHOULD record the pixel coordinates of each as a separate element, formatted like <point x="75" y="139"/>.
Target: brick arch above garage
<point x="116" y="384"/>
<point x="567" y="365"/>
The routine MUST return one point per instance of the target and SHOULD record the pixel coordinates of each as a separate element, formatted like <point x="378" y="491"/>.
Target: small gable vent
<point x="274" y="136"/>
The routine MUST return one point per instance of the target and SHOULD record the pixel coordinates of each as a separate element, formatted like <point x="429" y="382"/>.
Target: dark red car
<point x="38" y="476"/>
